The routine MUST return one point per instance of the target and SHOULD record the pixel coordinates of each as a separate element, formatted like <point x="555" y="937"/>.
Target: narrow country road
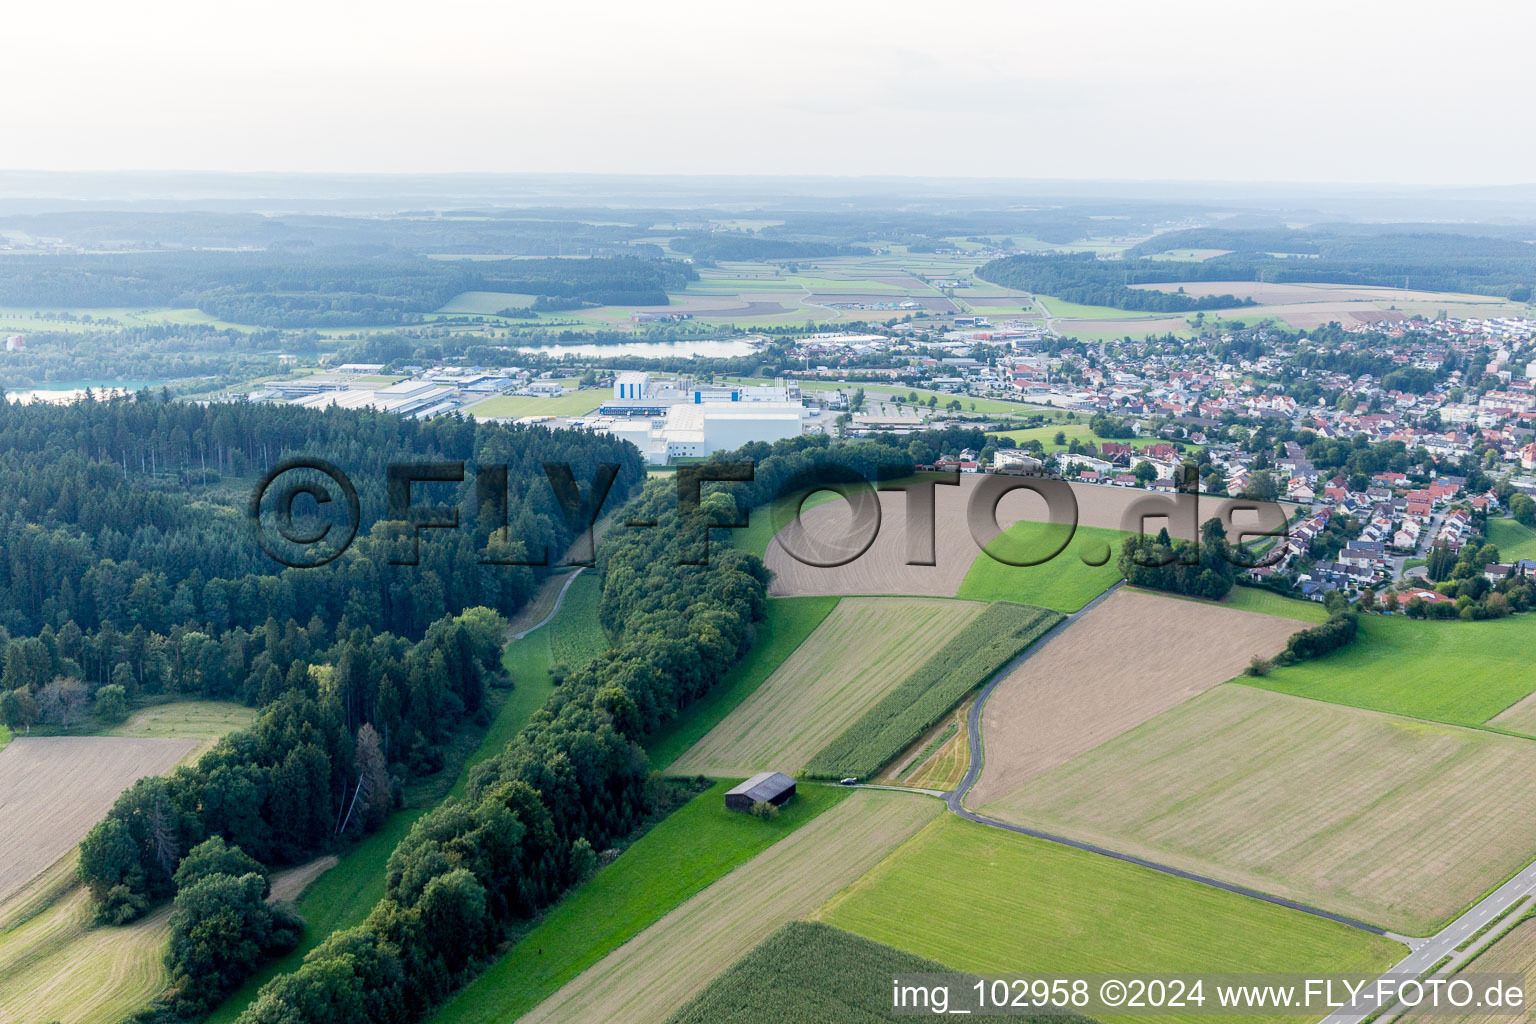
<point x="559" y="600"/>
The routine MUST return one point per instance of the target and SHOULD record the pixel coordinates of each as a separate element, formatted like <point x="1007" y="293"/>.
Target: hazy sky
<point x="1339" y="90"/>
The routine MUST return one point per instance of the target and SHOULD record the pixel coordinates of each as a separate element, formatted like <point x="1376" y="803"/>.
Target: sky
<point x="1340" y="91"/>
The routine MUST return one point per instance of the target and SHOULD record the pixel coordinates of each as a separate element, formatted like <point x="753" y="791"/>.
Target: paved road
<point x="955" y="798"/>
<point x="1428" y="952"/>
<point x="559" y="600"/>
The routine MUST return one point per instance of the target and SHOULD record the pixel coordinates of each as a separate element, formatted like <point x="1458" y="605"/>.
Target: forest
<point x="319" y="287"/>
<point x="127" y="571"/>
<point x="572" y="784"/>
<point x="1085" y="279"/>
<point x="1427" y="260"/>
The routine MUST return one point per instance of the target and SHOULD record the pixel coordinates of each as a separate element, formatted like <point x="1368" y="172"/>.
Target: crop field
<point x="789" y="621"/>
<point x="862" y="651"/>
<point x="1394" y="821"/>
<point x="652" y="975"/>
<point x="981" y="899"/>
<point x="1132" y="657"/>
<point x="1065" y="583"/>
<point x="1464" y="673"/>
<point x="925" y="697"/>
<point x="883" y="568"/>
<point x="693" y="847"/>
<point x="53" y="789"/>
<point x="1514" y="540"/>
<point x="812" y="973"/>
<point x="572" y="403"/>
<point x="1306" y="305"/>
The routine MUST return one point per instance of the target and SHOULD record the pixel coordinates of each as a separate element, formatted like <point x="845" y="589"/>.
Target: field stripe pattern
<point x="863" y="650"/>
<point x="651" y="976"/>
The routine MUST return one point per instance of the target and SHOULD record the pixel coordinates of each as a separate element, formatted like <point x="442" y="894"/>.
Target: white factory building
<point x="694" y="430"/>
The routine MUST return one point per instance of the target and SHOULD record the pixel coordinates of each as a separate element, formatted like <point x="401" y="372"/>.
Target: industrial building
<point x="774" y="788"/>
<point x="694" y="431"/>
<point x="636" y="394"/>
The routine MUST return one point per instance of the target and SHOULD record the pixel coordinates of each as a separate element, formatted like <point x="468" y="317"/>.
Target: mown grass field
<point x="572" y="403"/>
<point x="1397" y="822"/>
<point x="862" y="650"/>
<point x="1463" y="673"/>
<point x="926" y="695"/>
<point x="981" y="899"/>
<point x="1064" y="584"/>
<point x="694" y="846"/>
<point x="1513" y="540"/>
<point x="576" y="636"/>
<point x="811" y="973"/>
<point x="201" y="720"/>
<point x="1265" y="602"/>
<point x="1078" y="431"/>
<point x="57" y="966"/>
<point x="653" y="974"/>
<point x="789" y="621"/>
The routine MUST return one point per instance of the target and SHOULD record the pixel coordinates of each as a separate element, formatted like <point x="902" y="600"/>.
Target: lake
<point x="64" y="391"/>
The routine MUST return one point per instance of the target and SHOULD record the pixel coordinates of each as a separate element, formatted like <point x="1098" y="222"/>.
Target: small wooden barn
<point x="765" y="787"/>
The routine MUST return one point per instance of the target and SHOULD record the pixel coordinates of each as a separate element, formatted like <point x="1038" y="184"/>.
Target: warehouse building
<point x="695" y="431"/>
<point x="774" y="788"/>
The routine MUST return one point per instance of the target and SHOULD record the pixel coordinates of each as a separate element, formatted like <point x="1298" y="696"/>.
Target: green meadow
<point x="692" y="847"/>
<point x="790" y="620"/>
<point x="1460" y="673"/>
<point x="1064" y="583"/>
<point x="983" y="900"/>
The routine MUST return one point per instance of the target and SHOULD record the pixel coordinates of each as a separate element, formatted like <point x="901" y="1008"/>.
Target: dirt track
<point x="883" y="568"/>
<point x="1125" y="661"/>
<point x="53" y="789"/>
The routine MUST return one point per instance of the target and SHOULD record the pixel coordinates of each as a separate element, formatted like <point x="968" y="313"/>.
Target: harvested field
<point x="883" y="568"/>
<point x="862" y="651"/>
<point x="1131" y="658"/>
<point x="650" y="977"/>
<point x="53" y="789"/>
<point x="1395" y="821"/>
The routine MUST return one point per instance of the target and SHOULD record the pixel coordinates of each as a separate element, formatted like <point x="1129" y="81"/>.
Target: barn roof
<point x="763" y="786"/>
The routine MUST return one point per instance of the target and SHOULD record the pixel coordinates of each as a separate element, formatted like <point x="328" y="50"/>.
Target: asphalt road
<point x="1428" y="952"/>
